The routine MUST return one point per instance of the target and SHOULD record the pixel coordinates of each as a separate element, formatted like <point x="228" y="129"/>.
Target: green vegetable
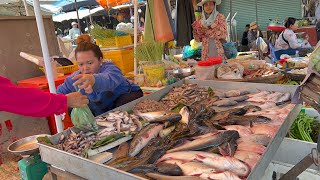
<point x="291" y="82"/>
<point x="149" y="52"/>
<point x="99" y="32"/>
<point x="107" y="140"/>
<point x="302" y="127"/>
<point x="178" y="108"/>
<point x="315" y="59"/>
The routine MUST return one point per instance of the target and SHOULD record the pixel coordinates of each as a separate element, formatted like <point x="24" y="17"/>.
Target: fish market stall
<point x="215" y="128"/>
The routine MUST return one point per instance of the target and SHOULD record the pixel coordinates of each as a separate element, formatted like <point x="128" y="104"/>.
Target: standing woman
<point x="211" y="30"/>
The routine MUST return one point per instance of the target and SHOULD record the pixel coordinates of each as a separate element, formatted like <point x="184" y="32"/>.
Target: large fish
<point x="220" y="176"/>
<point x="150" y="115"/>
<point x="248" y="157"/>
<point x="164" y="177"/>
<point x="266" y="129"/>
<point x="235" y="93"/>
<point x="244" y="120"/>
<point x="225" y="103"/>
<point x="256" y="138"/>
<point x="239" y="98"/>
<point x="195" y="169"/>
<point x="211" y="141"/>
<point x="226" y="164"/>
<point x="251" y="147"/>
<point x="141" y="139"/>
<point x="242" y="130"/>
<point x="185" y="156"/>
<point x="169" y="169"/>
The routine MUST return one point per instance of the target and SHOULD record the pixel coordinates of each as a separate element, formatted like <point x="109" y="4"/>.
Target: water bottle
<point x="297" y="54"/>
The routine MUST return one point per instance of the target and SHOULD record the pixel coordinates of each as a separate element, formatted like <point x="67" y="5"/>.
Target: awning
<point x="83" y="12"/>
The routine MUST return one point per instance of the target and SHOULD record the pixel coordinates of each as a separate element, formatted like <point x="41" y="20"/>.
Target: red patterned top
<point x="217" y="31"/>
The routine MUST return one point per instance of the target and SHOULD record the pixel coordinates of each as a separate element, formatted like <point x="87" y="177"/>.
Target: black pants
<point x="128" y="97"/>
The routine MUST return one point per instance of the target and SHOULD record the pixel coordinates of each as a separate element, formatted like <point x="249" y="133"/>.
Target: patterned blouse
<point x="291" y="38"/>
<point x="217" y="31"/>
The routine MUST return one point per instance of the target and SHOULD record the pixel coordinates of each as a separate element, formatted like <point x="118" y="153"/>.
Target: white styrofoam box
<point x="312" y="113"/>
<point x="276" y="169"/>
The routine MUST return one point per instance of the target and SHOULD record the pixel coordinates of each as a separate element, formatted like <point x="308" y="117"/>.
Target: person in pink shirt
<point x="34" y="102"/>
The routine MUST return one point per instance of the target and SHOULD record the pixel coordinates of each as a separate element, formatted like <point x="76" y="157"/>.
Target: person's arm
<point x="292" y="39"/>
<point x="109" y="79"/>
<point x="66" y="87"/>
<point x="30" y="101"/>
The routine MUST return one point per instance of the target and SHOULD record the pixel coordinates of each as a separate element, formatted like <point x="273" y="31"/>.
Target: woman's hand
<point x="76" y="99"/>
<point x="85" y="81"/>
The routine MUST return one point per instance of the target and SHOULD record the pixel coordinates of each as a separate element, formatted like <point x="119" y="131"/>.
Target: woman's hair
<point x="290" y="21"/>
<point x="84" y="44"/>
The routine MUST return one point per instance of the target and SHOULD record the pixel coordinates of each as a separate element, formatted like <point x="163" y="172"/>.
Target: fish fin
<point x="200" y="157"/>
<point x="251" y="124"/>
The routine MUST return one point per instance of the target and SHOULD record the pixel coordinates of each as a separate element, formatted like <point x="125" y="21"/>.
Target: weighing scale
<point x="31" y="167"/>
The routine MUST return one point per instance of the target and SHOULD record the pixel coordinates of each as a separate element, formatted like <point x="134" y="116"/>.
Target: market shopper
<point x="75" y="31"/>
<point x="34" y="102"/>
<point x="102" y="82"/>
<point x="287" y="42"/>
<point x="211" y="30"/>
<point x="253" y="34"/>
<point x="244" y="40"/>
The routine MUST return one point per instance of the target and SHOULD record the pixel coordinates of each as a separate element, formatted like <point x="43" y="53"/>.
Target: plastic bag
<point x="262" y="45"/>
<point x="230" y="71"/>
<point x="230" y="50"/>
<point x="195" y="45"/>
<point x="189" y="52"/>
<point x="83" y="119"/>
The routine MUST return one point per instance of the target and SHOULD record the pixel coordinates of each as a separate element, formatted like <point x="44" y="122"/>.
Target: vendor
<point x="211" y="30"/>
<point x="287" y="42"/>
<point x="253" y="34"/>
<point x="102" y="82"/>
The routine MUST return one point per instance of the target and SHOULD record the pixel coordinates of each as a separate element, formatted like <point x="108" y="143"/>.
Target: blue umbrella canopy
<point x="70" y="5"/>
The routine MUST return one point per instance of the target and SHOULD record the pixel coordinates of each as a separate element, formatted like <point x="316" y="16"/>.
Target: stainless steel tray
<point x="91" y="170"/>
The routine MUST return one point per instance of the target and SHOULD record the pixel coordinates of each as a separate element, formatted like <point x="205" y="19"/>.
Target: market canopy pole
<point x="76" y="5"/>
<point x="135" y="32"/>
<point x="46" y="57"/>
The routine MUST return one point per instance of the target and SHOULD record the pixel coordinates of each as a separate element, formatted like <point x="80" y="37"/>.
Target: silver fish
<point x="141" y="139"/>
<point x="226" y="164"/>
<point x="211" y="141"/>
<point x="150" y="115"/>
<point x="164" y="177"/>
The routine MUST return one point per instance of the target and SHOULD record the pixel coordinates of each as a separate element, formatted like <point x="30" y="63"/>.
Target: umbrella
<point x="72" y="5"/>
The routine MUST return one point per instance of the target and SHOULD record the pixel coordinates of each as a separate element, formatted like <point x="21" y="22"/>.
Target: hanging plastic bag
<point x="230" y="50"/>
<point x="83" y="119"/>
<point x="262" y="45"/>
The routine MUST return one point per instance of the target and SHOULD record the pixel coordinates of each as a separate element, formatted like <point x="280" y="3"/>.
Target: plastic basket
<point x="123" y="59"/>
<point x="153" y="73"/>
<point x="117" y="41"/>
<point x="64" y="69"/>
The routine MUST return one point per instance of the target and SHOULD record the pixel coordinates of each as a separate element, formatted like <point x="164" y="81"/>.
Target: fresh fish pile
<point x="216" y="134"/>
<point x="76" y="143"/>
<point x="149" y="105"/>
<point x="187" y="94"/>
<point x="117" y="122"/>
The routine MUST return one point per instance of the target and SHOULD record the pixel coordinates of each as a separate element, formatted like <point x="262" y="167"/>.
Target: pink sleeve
<point x="220" y="27"/>
<point x="30" y="101"/>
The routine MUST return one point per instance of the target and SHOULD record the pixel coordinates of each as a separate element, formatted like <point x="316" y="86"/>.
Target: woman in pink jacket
<point x="34" y="102"/>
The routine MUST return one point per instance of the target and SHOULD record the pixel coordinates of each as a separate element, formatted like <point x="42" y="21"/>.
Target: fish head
<point x="185" y="113"/>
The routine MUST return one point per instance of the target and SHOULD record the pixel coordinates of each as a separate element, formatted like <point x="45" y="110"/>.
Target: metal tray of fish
<point x="90" y="170"/>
